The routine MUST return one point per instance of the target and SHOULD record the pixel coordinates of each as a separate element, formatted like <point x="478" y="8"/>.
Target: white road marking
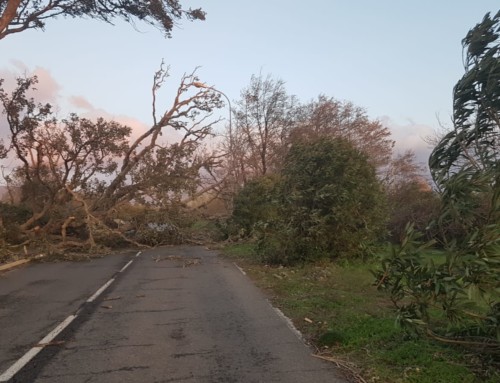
<point x="288" y="322"/>
<point x="21" y="362"/>
<point x="125" y="267"/>
<point x="25" y="359"/>
<point x="240" y="269"/>
<point x="100" y="291"/>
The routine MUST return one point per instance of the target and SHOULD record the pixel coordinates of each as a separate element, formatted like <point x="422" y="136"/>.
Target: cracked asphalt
<point x="177" y="314"/>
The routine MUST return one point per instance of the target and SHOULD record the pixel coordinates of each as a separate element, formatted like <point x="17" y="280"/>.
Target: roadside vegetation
<point x="346" y="319"/>
<point x="391" y="275"/>
<point x="317" y="229"/>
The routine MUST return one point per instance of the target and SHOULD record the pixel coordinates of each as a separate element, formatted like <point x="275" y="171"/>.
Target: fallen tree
<point x="75" y="174"/>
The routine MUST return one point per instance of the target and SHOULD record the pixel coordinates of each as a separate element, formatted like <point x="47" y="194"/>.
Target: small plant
<point x="457" y="301"/>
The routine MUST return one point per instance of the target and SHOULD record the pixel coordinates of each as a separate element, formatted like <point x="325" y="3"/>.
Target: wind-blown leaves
<point x="464" y="287"/>
<point x="475" y="139"/>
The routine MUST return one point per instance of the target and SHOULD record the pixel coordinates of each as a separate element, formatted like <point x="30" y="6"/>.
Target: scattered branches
<point x="94" y="164"/>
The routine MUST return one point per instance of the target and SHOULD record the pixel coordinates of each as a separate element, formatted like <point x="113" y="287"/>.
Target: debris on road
<point x="186" y="262"/>
<point x="112" y="298"/>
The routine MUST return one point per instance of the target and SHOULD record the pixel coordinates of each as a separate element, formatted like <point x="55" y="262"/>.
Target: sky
<point x="397" y="59"/>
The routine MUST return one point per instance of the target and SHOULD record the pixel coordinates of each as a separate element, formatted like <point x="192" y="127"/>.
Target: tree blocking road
<point x="178" y="314"/>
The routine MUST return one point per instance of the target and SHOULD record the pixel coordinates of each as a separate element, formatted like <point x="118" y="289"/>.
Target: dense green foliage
<point x="458" y="300"/>
<point x="328" y="203"/>
<point x="411" y="202"/>
<point x="256" y="202"/>
<point x="11" y="217"/>
<point x="475" y="139"/>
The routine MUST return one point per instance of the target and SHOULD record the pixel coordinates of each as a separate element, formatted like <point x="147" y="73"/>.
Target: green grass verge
<point x="340" y="312"/>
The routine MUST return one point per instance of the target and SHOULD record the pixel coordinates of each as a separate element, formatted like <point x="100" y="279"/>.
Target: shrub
<point x="329" y="204"/>
<point x="256" y="203"/>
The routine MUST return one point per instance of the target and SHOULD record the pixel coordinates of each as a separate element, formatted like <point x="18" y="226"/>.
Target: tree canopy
<point x="19" y="15"/>
<point x="457" y="300"/>
<point x="328" y="117"/>
<point x="475" y="138"/>
<point x="326" y="203"/>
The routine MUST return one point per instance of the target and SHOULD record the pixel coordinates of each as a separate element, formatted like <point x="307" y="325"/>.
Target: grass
<point x="341" y="313"/>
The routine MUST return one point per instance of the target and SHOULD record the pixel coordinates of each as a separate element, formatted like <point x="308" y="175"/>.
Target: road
<point x="173" y="314"/>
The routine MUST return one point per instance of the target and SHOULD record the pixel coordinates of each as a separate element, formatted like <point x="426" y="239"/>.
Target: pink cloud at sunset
<point x="47" y="90"/>
<point x="91" y="112"/>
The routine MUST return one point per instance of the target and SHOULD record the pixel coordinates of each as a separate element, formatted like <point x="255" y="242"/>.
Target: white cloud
<point x="410" y="136"/>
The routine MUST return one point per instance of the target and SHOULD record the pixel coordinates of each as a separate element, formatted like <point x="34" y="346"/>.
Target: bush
<point x="411" y="202"/>
<point x="12" y="216"/>
<point x="14" y="213"/>
<point x="256" y="203"/>
<point x="328" y="204"/>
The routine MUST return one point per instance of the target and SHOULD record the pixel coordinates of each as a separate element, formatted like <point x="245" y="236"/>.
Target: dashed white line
<point x="21" y="362"/>
<point x="17" y="366"/>
<point x="139" y="253"/>
<point x="100" y="291"/>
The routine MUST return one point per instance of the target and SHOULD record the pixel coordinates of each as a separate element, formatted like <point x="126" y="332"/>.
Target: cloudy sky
<point x="397" y="59"/>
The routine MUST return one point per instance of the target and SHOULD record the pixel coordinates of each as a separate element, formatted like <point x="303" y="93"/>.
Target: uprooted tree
<point x="76" y="172"/>
<point x="458" y="301"/>
<point x="19" y="15"/>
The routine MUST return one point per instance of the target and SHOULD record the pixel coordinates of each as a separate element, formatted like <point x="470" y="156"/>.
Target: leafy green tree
<point x="465" y="164"/>
<point x="19" y="15"/>
<point x="475" y="139"/>
<point x="457" y="300"/>
<point x="332" y="204"/>
<point x="257" y="202"/>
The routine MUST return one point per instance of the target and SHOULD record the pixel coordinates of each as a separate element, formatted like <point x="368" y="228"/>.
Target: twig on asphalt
<point x="112" y="298"/>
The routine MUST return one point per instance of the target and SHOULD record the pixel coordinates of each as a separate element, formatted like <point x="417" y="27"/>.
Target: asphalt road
<point x="175" y="314"/>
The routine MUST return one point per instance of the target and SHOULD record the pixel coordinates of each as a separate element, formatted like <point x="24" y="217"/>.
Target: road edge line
<point x="240" y="269"/>
<point x="288" y="322"/>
